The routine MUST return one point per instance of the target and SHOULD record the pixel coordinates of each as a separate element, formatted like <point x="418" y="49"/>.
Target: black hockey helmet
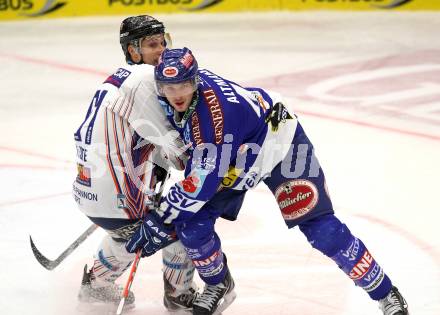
<point x="134" y="28"/>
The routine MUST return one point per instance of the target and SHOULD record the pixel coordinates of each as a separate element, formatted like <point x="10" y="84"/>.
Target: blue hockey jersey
<point x="236" y="137"/>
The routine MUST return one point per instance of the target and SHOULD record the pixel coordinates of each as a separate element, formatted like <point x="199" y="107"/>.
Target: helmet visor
<point x="172" y="90"/>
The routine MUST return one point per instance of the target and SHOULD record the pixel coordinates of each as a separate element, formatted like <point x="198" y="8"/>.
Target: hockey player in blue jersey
<point x="240" y="137"/>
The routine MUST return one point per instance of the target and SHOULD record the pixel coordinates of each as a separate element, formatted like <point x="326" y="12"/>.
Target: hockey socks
<point x="208" y="260"/>
<point x="334" y="239"/>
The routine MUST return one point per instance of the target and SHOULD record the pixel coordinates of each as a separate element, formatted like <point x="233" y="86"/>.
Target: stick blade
<point x="120" y="306"/>
<point x="45" y="262"/>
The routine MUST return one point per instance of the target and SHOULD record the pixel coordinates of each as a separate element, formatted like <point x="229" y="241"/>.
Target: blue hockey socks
<point x="334" y="239"/>
<point x="208" y="260"/>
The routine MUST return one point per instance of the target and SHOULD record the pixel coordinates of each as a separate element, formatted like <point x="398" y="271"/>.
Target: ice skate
<point x="175" y="302"/>
<point x="94" y="294"/>
<point x="215" y="298"/>
<point x="394" y="303"/>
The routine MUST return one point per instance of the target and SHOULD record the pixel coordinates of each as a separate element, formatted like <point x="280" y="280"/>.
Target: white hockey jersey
<point x="124" y="131"/>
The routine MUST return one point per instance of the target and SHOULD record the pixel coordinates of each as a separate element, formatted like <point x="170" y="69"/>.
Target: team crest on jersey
<point x="193" y="183"/>
<point x="118" y="78"/>
<point x="296" y="198"/>
<point x="83" y="177"/>
<point x="190" y="184"/>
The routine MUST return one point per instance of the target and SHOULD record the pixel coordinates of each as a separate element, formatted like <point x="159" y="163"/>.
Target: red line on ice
<point x="14" y="202"/>
<point x="54" y="64"/>
<point x="370" y="125"/>
<point x="26" y="152"/>
<point x="424" y="246"/>
<point x="322" y="116"/>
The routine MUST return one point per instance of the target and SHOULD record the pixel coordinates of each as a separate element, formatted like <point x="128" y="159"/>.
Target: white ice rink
<point x="367" y="89"/>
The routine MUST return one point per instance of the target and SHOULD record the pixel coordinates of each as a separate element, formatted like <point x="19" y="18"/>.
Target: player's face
<point x="179" y="95"/>
<point x="151" y="49"/>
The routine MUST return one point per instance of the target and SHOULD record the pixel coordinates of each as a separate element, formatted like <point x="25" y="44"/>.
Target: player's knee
<point x="174" y="249"/>
<point x="195" y="235"/>
<point x="111" y="248"/>
<point x="327" y="234"/>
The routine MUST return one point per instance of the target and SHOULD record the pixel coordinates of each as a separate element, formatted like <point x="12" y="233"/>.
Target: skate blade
<point x="227" y="300"/>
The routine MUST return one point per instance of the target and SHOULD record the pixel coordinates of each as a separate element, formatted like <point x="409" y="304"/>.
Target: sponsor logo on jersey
<point x="362" y="266"/>
<point x="251" y="179"/>
<point x="196" y="132"/>
<point x="377" y="280"/>
<point x="216" y="112"/>
<point x="225" y="88"/>
<point x="352" y="252"/>
<point x="118" y="78"/>
<point x="170" y="72"/>
<point x="83" y="177"/>
<point x="231" y="176"/>
<point x="296" y="198"/>
<point x="178" y="200"/>
<point x="208" y="261"/>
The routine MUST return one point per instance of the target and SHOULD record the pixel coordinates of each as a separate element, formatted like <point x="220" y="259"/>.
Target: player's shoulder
<point x="141" y="71"/>
<point x="128" y="76"/>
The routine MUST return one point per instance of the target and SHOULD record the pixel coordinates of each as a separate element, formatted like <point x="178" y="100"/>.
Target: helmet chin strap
<point x="168" y="40"/>
<point x="179" y="118"/>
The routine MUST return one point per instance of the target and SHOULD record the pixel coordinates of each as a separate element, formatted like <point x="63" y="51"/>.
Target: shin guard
<point x="334" y="239"/>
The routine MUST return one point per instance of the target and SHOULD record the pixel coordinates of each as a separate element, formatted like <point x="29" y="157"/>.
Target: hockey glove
<point x="151" y="236"/>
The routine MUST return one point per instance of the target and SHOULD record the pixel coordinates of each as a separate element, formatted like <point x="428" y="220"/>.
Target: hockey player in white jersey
<point x="124" y="148"/>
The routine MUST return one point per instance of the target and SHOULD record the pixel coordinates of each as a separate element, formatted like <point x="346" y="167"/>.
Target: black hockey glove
<point x="151" y="236"/>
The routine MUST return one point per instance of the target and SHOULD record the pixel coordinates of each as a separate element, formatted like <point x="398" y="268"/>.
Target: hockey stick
<point x="51" y="264"/>
<point x="129" y="282"/>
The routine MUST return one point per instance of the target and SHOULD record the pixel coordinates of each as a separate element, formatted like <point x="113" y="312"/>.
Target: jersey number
<point x="91" y="116"/>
